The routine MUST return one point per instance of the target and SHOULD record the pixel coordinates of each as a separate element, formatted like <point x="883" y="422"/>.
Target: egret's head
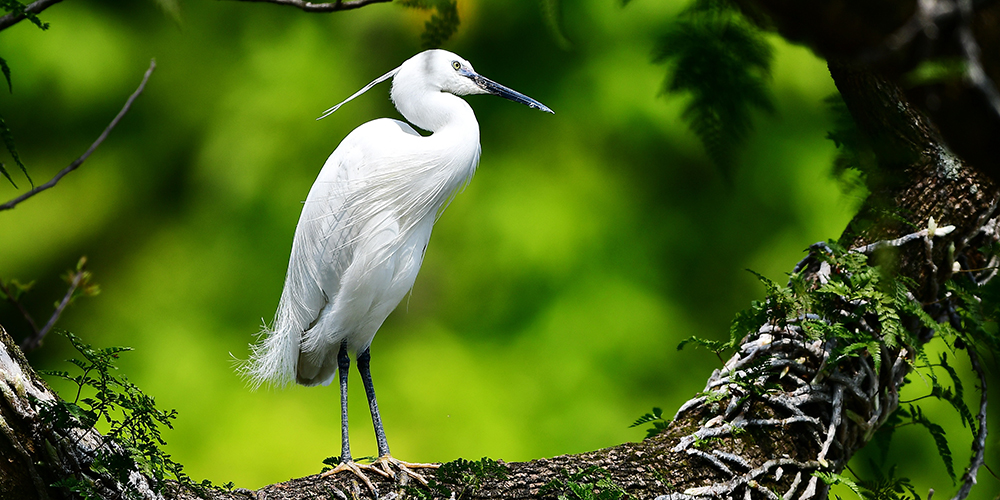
<point x="438" y="70"/>
<point x="443" y="71"/>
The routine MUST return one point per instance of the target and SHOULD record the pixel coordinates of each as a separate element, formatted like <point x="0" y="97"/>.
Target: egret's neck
<point x="434" y="110"/>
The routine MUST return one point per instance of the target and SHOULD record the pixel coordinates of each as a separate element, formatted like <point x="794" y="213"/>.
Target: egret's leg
<point x="384" y="459"/>
<point x="346" y="462"/>
<point x="344" y="368"/>
<point x="364" y="360"/>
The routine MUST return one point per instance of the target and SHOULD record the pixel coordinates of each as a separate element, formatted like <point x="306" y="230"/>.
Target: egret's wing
<point x="321" y="250"/>
<point x="323" y="247"/>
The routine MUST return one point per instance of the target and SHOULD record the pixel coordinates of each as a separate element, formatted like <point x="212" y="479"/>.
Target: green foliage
<point x="330" y="463"/>
<point x="471" y="472"/>
<point x="715" y="346"/>
<point x="14" y="289"/>
<point x="592" y="483"/>
<point x="468" y="473"/>
<point x="888" y="487"/>
<point x="956" y="396"/>
<point x="656" y="417"/>
<point x="724" y="63"/>
<point x="820" y="309"/>
<point x="442" y="24"/>
<point x="745" y="323"/>
<point x="133" y="439"/>
<point x="916" y="417"/>
<point x="85" y="286"/>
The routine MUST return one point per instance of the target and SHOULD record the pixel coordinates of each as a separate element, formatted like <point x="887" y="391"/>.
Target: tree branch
<point x="322" y="7"/>
<point x="13" y="18"/>
<point x="79" y="161"/>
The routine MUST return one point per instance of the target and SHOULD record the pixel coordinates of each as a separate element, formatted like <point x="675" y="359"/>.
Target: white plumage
<point x="367" y="220"/>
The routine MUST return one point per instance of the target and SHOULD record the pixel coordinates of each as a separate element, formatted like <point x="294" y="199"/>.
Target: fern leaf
<point x="937" y="432"/>
<point x="724" y="64"/>
<point x="8" y="141"/>
<point x="746" y="322"/>
<point x="831" y="479"/>
<point x="649" y="417"/>
<point x="956" y="399"/>
<point x="439" y="28"/>
<point x="712" y="345"/>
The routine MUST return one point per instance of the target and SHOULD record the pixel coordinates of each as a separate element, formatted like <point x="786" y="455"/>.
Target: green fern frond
<point x="937" y="432"/>
<point x="649" y="417"/>
<point x="442" y="24"/>
<point x="724" y="63"/>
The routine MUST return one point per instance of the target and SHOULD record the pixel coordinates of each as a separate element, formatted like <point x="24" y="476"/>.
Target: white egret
<point x="363" y="231"/>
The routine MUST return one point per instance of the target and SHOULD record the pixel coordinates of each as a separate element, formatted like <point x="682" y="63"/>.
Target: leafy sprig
<point x="656" y="418"/>
<point x="133" y="440"/>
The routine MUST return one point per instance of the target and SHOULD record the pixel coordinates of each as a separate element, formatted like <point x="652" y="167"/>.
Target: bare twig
<point x="31" y="343"/>
<point x="79" y="161"/>
<point x="979" y="445"/>
<point x="35" y="7"/>
<point x="322" y="7"/>
<point x="938" y="231"/>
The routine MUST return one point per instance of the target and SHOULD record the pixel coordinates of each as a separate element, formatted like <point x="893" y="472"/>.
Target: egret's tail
<point x="273" y="358"/>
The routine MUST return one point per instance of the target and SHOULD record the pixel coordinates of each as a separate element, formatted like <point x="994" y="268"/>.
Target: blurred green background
<point x="555" y="288"/>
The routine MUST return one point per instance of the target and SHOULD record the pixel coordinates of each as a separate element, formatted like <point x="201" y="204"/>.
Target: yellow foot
<point x="356" y="468"/>
<point x="385" y="465"/>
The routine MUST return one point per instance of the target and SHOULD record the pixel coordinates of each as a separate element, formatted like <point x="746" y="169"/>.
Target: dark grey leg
<point x="366" y="378"/>
<point x="344" y="367"/>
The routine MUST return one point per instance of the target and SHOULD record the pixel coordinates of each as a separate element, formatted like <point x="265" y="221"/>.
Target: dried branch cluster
<point x="806" y="404"/>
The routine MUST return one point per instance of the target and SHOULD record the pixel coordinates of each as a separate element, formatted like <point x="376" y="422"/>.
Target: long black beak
<point x="496" y="89"/>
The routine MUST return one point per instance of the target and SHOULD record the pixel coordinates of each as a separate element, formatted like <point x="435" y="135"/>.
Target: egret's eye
<point x="457" y="65"/>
